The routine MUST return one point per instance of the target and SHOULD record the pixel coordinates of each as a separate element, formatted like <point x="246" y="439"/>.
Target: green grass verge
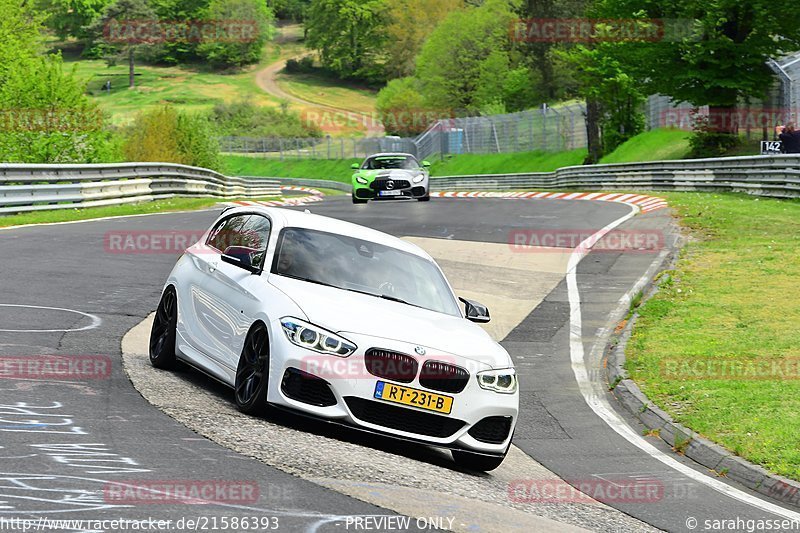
<point x="86" y="213"/>
<point x="506" y="163"/>
<point x="326" y="90"/>
<point x="322" y="169"/>
<point x="731" y="300"/>
<point x="653" y="145"/>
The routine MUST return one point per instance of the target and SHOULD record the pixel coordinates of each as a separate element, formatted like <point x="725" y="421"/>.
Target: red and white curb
<point x="644" y="202"/>
<point x="313" y="196"/>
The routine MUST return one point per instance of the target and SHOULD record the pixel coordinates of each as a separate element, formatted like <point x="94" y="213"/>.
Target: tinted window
<point x="362" y="266"/>
<point x="388" y="162"/>
<point x="246" y="231"/>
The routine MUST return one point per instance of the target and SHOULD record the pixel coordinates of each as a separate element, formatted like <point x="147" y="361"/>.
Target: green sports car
<point x="391" y="175"/>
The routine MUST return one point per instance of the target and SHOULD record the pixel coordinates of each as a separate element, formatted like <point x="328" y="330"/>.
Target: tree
<point x="116" y="32"/>
<point x="348" y="35"/>
<point x="717" y="53"/>
<point x="237" y="50"/>
<point x="69" y="18"/>
<point x="410" y="22"/>
<point x="166" y="135"/>
<point x="613" y="97"/>
<point x="295" y="10"/>
<point x="464" y="62"/>
<point x="45" y="115"/>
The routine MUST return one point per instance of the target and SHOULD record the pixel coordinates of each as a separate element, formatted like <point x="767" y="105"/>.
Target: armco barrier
<point x="775" y="176"/>
<point x="39" y="187"/>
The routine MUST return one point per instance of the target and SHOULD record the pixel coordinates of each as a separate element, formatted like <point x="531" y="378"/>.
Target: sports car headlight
<point x="361" y="179"/>
<point x="503" y="381"/>
<point x="418" y="179"/>
<point x="315" y="338"/>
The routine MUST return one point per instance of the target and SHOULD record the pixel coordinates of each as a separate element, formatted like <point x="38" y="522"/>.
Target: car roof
<point x="302" y="219"/>
<point x="391" y="154"/>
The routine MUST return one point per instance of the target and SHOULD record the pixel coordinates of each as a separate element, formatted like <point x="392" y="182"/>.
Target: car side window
<point x="255" y="235"/>
<point x="227" y="233"/>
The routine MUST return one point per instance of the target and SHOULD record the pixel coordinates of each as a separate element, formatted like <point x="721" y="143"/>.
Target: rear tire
<point x="358" y="200"/>
<point x="163" y="333"/>
<point x="476" y="461"/>
<point x="252" y="374"/>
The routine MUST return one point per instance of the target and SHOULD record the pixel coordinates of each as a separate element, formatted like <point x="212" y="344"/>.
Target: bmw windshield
<point x="362" y="266"/>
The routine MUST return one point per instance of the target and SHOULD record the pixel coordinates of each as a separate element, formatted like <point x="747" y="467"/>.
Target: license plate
<point x="390" y="193"/>
<point x="414" y="397"/>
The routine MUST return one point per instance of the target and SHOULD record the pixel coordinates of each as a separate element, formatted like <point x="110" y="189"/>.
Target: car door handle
<point x="212" y="267"/>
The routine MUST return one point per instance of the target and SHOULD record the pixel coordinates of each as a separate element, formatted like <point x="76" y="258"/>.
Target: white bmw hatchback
<point x="341" y="322"/>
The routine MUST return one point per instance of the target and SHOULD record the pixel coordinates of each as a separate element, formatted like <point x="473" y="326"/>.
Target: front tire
<point x="252" y="374"/>
<point x="358" y="200"/>
<point x="426" y="198"/>
<point x="476" y="461"/>
<point x="163" y="334"/>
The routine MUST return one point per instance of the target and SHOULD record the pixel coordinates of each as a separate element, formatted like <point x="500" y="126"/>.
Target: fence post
<point x="280" y="147"/>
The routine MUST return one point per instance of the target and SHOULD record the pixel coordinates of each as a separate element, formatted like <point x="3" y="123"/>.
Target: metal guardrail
<point x="775" y="176"/>
<point x="27" y="187"/>
<point x="39" y="187"/>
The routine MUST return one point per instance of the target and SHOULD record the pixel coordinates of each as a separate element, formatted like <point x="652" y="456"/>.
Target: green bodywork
<point x="368" y="176"/>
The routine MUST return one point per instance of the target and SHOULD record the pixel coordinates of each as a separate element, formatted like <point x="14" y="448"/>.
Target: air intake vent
<point x="391" y="365"/>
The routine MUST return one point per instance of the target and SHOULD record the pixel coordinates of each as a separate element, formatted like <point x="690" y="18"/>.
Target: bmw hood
<point x="345" y="312"/>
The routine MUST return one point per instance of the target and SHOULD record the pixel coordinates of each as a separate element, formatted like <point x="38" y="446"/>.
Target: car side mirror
<point x="355" y="166"/>
<point x="475" y="312"/>
<point x="240" y="256"/>
<point x="426" y="164"/>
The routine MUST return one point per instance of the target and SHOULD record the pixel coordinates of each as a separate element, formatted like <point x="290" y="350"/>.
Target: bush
<point x="46" y="117"/>
<point x="248" y="120"/>
<point x="166" y="135"/>
<point x="304" y="65"/>
<point x="710" y="142"/>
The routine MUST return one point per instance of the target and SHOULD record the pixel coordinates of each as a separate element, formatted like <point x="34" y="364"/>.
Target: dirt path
<point x="266" y="79"/>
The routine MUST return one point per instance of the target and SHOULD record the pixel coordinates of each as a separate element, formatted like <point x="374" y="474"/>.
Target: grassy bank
<point x="653" y="145"/>
<point x="323" y="169"/>
<point x="86" y="213"/>
<point x="727" y="308"/>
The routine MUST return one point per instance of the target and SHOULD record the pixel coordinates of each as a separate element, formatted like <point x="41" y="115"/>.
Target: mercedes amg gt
<point x="391" y="175"/>
<point x="337" y="321"/>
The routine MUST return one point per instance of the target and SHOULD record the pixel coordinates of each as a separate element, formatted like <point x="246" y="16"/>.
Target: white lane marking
<point x="599" y="403"/>
<point x="96" y="320"/>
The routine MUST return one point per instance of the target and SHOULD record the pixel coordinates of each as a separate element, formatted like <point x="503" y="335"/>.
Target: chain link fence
<point x="548" y="129"/>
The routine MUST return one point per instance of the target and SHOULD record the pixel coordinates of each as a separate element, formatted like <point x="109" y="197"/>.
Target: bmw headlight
<point x="315" y="338"/>
<point x="361" y="179"/>
<point x="503" y="381"/>
<point x="418" y="178"/>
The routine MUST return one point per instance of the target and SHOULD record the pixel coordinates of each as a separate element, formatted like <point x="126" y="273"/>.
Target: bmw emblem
<point x="420" y="350"/>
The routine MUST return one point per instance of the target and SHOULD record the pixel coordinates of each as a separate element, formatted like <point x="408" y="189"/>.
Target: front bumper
<point x="380" y="189"/>
<point x="342" y="390"/>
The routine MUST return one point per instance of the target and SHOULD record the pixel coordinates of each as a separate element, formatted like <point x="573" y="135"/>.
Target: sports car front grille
<point x="492" y="429"/>
<point x="443" y="377"/>
<point x="382" y="185"/>
<point x="403" y="419"/>
<point x="306" y="388"/>
<point x="391" y="365"/>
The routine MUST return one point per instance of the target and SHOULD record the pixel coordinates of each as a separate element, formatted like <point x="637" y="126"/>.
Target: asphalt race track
<point x="68" y="446"/>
